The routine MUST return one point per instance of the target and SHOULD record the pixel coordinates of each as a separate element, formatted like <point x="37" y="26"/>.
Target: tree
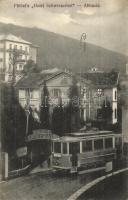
<point x="13" y="120"/>
<point x="30" y="122"/>
<point x="44" y="110"/>
<point x="30" y="67"/>
<point x="106" y="111"/>
<point x="73" y="110"/>
<point x="58" y="120"/>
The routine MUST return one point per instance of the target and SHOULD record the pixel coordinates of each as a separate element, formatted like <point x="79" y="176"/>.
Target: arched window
<point x="115" y="95"/>
<point x="100" y="92"/>
<point x="115" y="112"/>
<point x="56" y="92"/>
<point x="10" y="46"/>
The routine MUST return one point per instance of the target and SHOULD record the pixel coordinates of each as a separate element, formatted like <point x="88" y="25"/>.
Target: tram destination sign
<point x="40" y="135"/>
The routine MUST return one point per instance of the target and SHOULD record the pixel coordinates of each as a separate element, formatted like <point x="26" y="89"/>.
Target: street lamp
<point x="83" y="40"/>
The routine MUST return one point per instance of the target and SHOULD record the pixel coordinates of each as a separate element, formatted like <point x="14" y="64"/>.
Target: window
<point x="22" y="93"/>
<point x="87" y="145"/>
<point x="20" y="57"/>
<point x="56" y="92"/>
<point x="26" y="49"/>
<point x="57" y="147"/>
<point x="100" y="92"/>
<point x="31" y="94"/>
<point x="98" y="144"/>
<point x="64" y="148"/>
<point x="74" y="148"/>
<point x="108" y="143"/>
<point x="115" y="113"/>
<point x="115" y="95"/>
<point x="10" y="46"/>
<point x="10" y="55"/>
<point x="15" y="46"/>
<point x="20" y="67"/>
<point x="34" y="94"/>
<point x="20" y="47"/>
<point x="1" y="59"/>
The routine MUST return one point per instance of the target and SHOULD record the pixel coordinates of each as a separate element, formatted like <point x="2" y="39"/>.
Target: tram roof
<point x="84" y="137"/>
<point x="67" y="139"/>
<point x="90" y="132"/>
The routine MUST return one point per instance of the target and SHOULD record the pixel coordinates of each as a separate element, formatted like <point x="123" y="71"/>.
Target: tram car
<point x="90" y="151"/>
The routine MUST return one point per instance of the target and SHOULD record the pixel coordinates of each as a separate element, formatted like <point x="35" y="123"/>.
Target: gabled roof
<point x="31" y="80"/>
<point x="35" y="80"/>
<point x="102" y="79"/>
<point x="13" y="38"/>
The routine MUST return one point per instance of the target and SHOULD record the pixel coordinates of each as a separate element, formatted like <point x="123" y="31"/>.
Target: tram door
<point x="74" y="149"/>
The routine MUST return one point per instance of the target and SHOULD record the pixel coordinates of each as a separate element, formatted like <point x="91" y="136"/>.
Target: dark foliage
<point x="30" y="67"/>
<point x="106" y="111"/>
<point x="13" y="120"/>
<point x="58" y="120"/>
<point x="30" y="122"/>
<point x="72" y="110"/>
<point x="44" y="110"/>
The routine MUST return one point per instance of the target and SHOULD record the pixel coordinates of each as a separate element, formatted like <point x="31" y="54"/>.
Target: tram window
<point x="108" y="143"/>
<point x="64" y="148"/>
<point x="74" y="148"/>
<point x="87" y="145"/>
<point x="52" y="147"/>
<point x="57" y="147"/>
<point x="98" y="144"/>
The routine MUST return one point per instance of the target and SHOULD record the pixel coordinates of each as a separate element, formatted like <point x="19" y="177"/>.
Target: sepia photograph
<point x="63" y="100"/>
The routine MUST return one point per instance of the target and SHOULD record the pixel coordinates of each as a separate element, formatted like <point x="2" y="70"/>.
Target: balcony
<point x="18" y="51"/>
<point x="20" y="60"/>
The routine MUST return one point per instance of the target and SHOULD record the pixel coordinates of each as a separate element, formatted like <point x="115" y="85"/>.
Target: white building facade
<point x="25" y="51"/>
<point x="104" y="90"/>
<point x="58" y="85"/>
<point x="92" y="95"/>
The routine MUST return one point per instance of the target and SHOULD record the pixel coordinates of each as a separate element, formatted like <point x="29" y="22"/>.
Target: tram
<point x="84" y="151"/>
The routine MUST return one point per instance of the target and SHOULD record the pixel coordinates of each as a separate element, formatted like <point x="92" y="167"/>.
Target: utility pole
<point x="27" y="114"/>
<point x="13" y="60"/>
<point x="83" y="45"/>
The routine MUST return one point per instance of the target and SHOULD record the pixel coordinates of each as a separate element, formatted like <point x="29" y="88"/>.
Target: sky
<point x="105" y="25"/>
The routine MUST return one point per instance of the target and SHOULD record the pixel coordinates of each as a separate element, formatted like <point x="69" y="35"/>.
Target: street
<point x="113" y="188"/>
<point x="40" y="186"/>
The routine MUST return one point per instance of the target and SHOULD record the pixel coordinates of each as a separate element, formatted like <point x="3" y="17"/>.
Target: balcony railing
<point x="19" y="51"/>
<point x="21" y="60"/>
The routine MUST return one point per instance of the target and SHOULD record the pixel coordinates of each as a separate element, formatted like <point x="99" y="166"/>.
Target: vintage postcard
<point x="63" y="99"/>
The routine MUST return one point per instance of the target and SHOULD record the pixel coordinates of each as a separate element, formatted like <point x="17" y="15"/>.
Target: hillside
<point x="60" y="51"/>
